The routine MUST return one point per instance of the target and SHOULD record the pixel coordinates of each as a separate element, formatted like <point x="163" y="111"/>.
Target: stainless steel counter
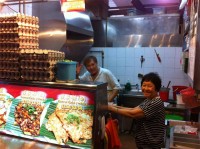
<point x="178" y="109"/>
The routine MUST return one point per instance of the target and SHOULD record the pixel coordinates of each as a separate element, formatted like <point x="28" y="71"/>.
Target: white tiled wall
<point x="125" y="64"/>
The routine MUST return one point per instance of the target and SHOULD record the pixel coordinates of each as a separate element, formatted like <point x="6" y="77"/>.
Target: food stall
<point x="67" y="115"/>
<point x="35" y="104"/>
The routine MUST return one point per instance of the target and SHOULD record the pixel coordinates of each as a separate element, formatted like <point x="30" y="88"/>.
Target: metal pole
<point x="24" y="7"/>
<point x="20" y="6"/>
<point x="17" y="3"/>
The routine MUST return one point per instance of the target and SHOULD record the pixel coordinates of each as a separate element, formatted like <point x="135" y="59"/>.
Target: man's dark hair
<point x="88" y="59"/>
<point x="154" y="78"/>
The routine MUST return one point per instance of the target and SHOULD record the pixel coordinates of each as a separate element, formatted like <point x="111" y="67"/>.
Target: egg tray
<point x="14" y="37"/>
<point x="15" y="24"/>
<point x="38" y="65"/>
<point x="11" y="55"/>
<point x="9" y="65"/>
<point x="11" y="46"/>
<point x="20" y="20"/>
<point x="31" y="54"/>
<point x="43" y="55"/>
<point x="18" y="29"/>
<point x="9" y="74"/>
<point x="37" y="75"/>
<point x="25" y="32"/>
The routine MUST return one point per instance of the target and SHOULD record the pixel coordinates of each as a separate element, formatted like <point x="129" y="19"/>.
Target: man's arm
<point x="113" y="95"/>
<point x="114" y="84"/>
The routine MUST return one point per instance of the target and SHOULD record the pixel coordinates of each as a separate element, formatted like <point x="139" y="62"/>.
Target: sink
<point x="130" y="98"/>
<point x="132" y="93"/>
<point x="136" y="90"/>
<point x="136" y="93"/>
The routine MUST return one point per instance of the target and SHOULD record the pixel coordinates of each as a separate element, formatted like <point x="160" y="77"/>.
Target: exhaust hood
<point x="71" y="32"/>
<point x="157" y="30"/>
<point x="79" y="22"/>
<point x="79" y="35"/>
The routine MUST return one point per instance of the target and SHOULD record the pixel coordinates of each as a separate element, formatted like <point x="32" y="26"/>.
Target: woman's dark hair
<point x="88" y="59"/>
<point x="154" y="78"/>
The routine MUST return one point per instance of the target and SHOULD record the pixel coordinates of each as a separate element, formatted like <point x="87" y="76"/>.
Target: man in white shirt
<point x="97" y="74"/>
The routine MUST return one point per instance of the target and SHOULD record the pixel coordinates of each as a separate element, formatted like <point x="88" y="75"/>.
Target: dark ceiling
<point x="123" y="7"/>
<point x="106" y="8"/>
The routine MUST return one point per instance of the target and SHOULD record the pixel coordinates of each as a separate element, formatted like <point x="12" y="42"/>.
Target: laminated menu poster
<point x="69" y="120"/>
<point x="5" y="103"/>
<point x="26" y="114"/>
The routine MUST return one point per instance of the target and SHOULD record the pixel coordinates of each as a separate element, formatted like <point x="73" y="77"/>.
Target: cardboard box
<point x="181" y="140"/>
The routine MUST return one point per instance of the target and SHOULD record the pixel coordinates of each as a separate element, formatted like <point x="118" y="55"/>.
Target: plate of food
<point x="26" y="116"/>
<point x="68" y="126"/>
<point x="5" y="103"/>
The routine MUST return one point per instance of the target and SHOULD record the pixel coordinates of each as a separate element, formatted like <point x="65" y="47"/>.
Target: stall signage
<point x="27" y="114"/>
<point x="42" y="93"/>
<point x="72" y="5"/>
<point x="3" y="92"/>
<point x="33" y="95"/>
<point x="74" y="102"/>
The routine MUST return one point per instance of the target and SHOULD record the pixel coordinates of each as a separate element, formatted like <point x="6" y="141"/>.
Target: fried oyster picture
<point x="27" y="116"/>
<point x="71" y="124"/>
<point x="4" y="105"/>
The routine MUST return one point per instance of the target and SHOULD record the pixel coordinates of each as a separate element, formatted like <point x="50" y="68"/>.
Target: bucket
<point x="164" y="94"/>
<point x="179" y="99"/>
<point x="66" y="71"/>
<point x="177" y="89"/>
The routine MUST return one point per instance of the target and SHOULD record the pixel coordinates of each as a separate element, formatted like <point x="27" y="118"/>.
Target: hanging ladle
<point x="168" y="84"/>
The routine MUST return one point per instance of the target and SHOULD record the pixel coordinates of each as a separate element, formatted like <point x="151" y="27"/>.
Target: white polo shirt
<point x="104" y="76"/>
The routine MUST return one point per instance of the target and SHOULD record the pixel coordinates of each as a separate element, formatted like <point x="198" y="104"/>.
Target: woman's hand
<point x="109" y="107"/>
<point x="112" y="108"/>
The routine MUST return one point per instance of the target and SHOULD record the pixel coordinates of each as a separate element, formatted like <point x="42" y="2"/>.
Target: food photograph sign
<point x="57" y="116"/>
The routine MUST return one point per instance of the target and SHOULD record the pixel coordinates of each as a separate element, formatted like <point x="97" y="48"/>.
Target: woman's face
<point x="92" y="67"/>
<point x="149" y="90"/>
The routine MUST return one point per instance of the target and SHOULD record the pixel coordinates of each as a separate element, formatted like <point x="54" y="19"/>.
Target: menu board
<point x="58" y="116"/>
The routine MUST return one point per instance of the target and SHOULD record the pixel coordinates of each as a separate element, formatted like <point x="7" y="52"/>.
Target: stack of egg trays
<point x="17" y="31"/>
<point x="38" y="64"/>
<point x="9" y="65"/>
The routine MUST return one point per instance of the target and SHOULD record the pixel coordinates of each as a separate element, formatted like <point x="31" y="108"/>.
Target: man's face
<point x="92" y="67"/>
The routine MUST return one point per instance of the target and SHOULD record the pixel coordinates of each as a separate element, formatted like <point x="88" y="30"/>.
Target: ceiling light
<point x="2" y="1"/>
<point x="183" y="3"/>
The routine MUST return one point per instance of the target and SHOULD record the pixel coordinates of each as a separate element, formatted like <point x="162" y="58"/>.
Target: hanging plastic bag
<point x="189" y="98"/>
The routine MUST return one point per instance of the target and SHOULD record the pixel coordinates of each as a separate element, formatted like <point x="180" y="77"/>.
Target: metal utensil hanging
<point x="158" y="56"/>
